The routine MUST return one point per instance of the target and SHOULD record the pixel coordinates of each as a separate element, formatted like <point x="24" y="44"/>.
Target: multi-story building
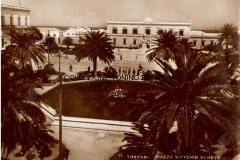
<point x="13" y="17"/>
<point x="136" y="34"/>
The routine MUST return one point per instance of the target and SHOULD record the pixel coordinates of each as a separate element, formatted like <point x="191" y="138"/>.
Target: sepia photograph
<point x="120" y="80"/>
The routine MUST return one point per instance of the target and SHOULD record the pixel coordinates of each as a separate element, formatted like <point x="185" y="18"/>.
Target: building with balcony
<point x="13" y="17"/>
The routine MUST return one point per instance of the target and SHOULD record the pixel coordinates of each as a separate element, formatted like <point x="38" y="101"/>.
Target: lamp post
<point x="48" y="47"/>
<point x="60" y="109"/>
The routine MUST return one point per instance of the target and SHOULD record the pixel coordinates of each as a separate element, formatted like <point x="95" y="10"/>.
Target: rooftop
<point x="7" y="6"/>
<point x="148" y="20"/>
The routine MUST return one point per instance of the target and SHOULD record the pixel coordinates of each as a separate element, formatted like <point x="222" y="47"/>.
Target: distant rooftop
<point x="48" y="29"/>
<point x="14" y="7"/>
<point x="148" y="20"/>
<point x="195" y="33"/>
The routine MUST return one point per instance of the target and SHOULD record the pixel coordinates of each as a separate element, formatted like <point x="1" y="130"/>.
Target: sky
<point x="204" y="14"/>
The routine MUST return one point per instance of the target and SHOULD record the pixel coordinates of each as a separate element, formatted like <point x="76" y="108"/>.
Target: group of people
<point x="129" y="71"/>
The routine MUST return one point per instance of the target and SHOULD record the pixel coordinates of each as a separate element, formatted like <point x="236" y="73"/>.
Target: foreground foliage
<point x="197" y="111"/>
<point x="22" y="121"/>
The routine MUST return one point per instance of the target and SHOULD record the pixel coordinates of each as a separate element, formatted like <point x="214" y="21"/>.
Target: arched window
<point x="3" y="19"/>
<point x="19" y="20"/>
<point x="26" y="21"/>
<point x="11" y="20"/>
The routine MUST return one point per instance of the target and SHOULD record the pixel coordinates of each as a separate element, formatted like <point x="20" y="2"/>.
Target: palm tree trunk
<point x="94" y="65"/>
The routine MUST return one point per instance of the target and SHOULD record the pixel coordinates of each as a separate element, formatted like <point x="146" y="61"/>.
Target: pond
<point x="108" y="100"/>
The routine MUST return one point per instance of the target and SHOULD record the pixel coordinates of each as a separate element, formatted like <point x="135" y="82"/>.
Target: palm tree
<point x="229" y="35"/>
<point x="164" y="45"/>
<point x="95" y="45"/>
<point x="24" y="49"/>
<point x="36" y="33"/>
<point x="22" y="121"/>
<point x="195" y="111"/>
<point x="68" y="41"/>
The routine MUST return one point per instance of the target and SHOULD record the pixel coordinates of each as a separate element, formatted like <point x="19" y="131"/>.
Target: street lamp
<point x="60" y="109"/>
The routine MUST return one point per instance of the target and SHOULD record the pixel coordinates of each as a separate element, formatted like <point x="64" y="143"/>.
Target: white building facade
<point x="12" y="17"/>
<point x="136" y="34"/>
<point x="51" y="32"/>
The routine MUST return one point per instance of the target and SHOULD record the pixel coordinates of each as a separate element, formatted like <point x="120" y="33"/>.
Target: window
<point x="147" y="31"/>
<point x="26" y="21"/>
<point x="159" y="31"/>
<point x="124" y="31"/>
<point x="203" y="42"/>
<point x="11" y="20"/>
<point x="114" y="41"/>
<point x="212" y="42"/>
<point x="19" y="20"/>
<point x="3" y="19"/>
<point x="114" y="31"/>
<point x="181" y="33"/>
<point x="73" y="34"/>
<point x="2" y="42"/>
<point x="135" y="31"/>
<point x="134" y="41"/>
<point x="68" y="34"/>
<point x="54" y="35"/>
<point x="124" y="41"/>
<point x="194" y="42"/>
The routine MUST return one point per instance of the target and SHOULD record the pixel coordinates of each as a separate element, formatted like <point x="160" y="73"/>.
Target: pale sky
<point x="205" y="14"/>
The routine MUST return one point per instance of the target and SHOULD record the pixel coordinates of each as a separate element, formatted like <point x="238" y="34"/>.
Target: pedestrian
<point x="119" y="71"/>
<point x="136" y="57"/>
<point x="125" y="71"/>
<point x="70" y="68"/>
<point x="130" y="47"/>
<point x="138" y="71"/>
<point x="140" y="66"/>
<point x="120" y="57"/>
<point x="89" y="69"/>
<point x="134" y="71"/>
<point x="129" y="71"/>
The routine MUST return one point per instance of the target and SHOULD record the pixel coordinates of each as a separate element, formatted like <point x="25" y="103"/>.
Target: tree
<point x="164" y="46"/>
<point x="22" y="121"/>
<point x="196" y="110"/>
<point x="51" y="45"/>
<point x="23" y="48"/>
<point x="229" y="36"/>
<point x="95" y="45"/>
<point x="68" y="41"/>
<point x="36" y="33"/>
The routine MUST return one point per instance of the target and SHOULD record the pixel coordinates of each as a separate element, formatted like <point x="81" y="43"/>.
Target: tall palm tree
<point x="22" y="121"/>
<point x="51" y="44"/>
<point x="68" y="41"/>
<point x="195" y="111"/>
<point x="95" y="45"/>
<point x="164" y="46"/>
<point x="23" y="48"/>
<point x="229" y="35"/>
<point x="36" y="33"/>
